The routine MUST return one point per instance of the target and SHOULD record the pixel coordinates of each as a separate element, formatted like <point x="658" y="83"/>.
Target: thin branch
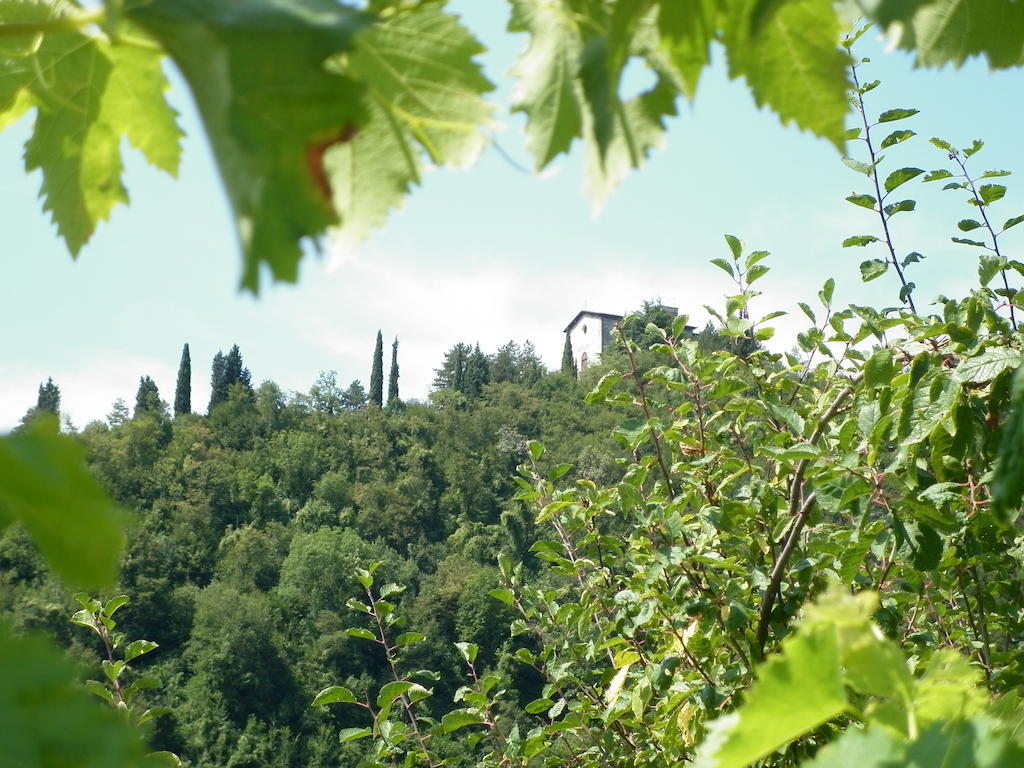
<point x="878" y="191"/>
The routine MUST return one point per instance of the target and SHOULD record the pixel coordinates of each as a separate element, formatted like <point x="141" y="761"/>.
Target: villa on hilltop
<point x="590" y="333"/>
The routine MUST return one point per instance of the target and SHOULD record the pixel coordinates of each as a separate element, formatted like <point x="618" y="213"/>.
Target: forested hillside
<point x="250" y="523"/>
<point x="730" y="556"/>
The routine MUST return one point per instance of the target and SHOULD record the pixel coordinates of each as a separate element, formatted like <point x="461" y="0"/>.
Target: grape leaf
<point x="270" y="107"/>
<point x="88" y="95"/>
<point x="45" y="485"/>
<point x="1008" y="475"/>
<point x="638" y="128"/>
<point x="425" y="96"/>
<point x="687" y="29"/>
<point x="942" y="31"/>
<point x="547" y="90"/>
<point x="807" y="676"/>
<point x="794" y="64"/>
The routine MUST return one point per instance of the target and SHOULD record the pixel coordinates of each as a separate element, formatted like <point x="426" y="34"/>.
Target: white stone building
<point x="590" y="333"/>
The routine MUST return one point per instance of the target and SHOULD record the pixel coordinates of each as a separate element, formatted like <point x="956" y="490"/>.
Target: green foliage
<point x="42" y="477"/>
<point x="651" y="590"/>
<point x="51" y="720"/>
<point x="328" y="110"/>
<point x="147" y="398"/>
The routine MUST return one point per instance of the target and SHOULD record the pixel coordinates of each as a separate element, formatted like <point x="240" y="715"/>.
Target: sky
<point x="486" y="255"/>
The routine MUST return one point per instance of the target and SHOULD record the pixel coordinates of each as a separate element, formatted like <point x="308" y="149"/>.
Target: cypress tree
<point x="568" y="362"/>
<point x="183" y="390"/>
<point x="377" y="373"/>
<point x="393" y="375"/>
<point x="218" y="382"/>
<point x="147" y="398"/>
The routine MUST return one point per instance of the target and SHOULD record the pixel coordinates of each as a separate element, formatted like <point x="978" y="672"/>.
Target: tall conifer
<point x="183" y="389"/>
<point x="393" y="375"/>
<point x="49" y="398"/>
<point x="377" y="373"/>
<point x="477" y="373"/>
<point x="147" y="398"/>
<point x="218" y="381"/>
<point x="568" y="361"/>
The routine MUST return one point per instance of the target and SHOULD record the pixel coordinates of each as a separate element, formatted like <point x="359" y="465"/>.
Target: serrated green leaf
<point x="547" y="90"/>
<point x="134" y="102"/>
<point x="859" y="241"/>
<point x="988" y="267"/>
<point x="902" y="205"/>
<point x="637" y="129"/>
<point x="271" y="109"/>
<point x="879" y="369"/>
<point x="1008" y="474"/>
<point x="976" y="146"/>
<point x="50" y="719"/>
<point x="989" y="193"/>
<point x="537" y="706"/>
<point x="467" y="651"/>
<point x="113" y="604"/>
<point x="857" y="165"/>
<point x="896" y="137"/>
<point x="865" y="748"/>
<point x="45" y="484"/>
<point x="864" y="201"/>
<point x="964" y="241"/>
<point x="900" y="177"/>
<point x="362" y="634"/>
<point x="409" y="638"/>
<point x="806" y="675"/>
<point x="1012" y="222"/>
<point x="460" y="718"/>
<point x="944" y="31"/>
<point x="966" y="225"/>
<point x="936" y="175"/>
<point x="793" y="65"/>
<point x="724" y="265"/>
<point x="137" y="648"/>
<point x="873" y="268"/>
<point x="334" y="694"/>
<point x="827" y="290"/>
<point x="891" y="115"/>
<point x="686" y="30"/>
<point x="346" y="735"/>
<point x="426" y="98"/>
<point x="987" y="365"/>
<point x="503" y="595"/>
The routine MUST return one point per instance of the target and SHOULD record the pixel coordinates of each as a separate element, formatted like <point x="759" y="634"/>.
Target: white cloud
<point x="492" y="300"/>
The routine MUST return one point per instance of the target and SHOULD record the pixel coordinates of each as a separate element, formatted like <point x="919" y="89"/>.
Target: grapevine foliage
<point x="320" y="114"/>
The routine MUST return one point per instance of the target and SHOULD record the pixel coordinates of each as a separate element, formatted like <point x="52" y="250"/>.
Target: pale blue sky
<point x="484" y="255"/>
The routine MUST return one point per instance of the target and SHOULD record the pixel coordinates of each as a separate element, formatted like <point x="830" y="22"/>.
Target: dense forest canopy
<point x="802" y="558"/>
